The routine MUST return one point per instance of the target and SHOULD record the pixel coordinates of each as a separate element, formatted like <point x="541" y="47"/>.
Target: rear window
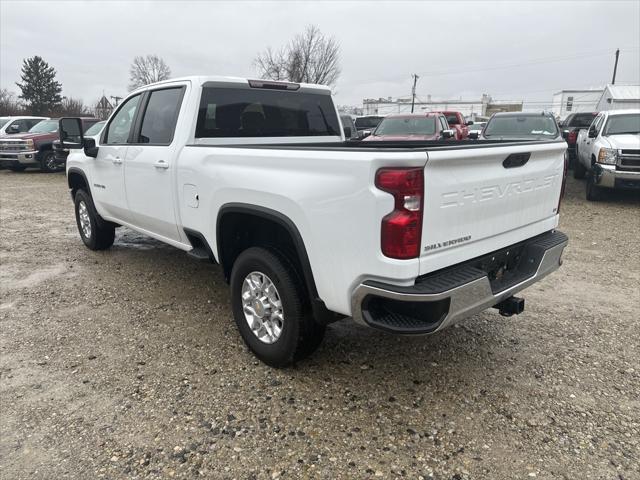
<point x="406" y="126"/>
<point x="452" y="119"/>
<point x="367" y="122"/>
<point x="521" y="126"/>
<point x="45" y="126"/>
<point x="581" y="120"/>
<point x="244" y="112"/>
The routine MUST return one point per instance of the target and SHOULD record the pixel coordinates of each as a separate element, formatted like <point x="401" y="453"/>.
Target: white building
<point x="615" y="97"/>
<point x="566" y="102"/>
<point x="484" y="107"/>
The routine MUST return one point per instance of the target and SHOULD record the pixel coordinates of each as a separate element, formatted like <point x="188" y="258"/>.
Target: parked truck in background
<point x="609" y="153"/>
<point x="457" y="123"/>
<point x="18" y="124"/>
<point x="405" y="237"/>
<point x="570" y="127"/>
<point x="35" y="147"/>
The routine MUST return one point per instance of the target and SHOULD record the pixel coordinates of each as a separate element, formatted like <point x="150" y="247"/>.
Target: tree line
<point x="310" y="57"/>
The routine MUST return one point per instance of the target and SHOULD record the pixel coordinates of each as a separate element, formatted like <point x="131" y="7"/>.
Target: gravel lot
<point x="127" y="364"/>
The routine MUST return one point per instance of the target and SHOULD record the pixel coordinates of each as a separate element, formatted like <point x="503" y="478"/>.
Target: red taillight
<point x="572" y="137"/>
<point x="564" y="182"/>
<point x="401" y="230"/>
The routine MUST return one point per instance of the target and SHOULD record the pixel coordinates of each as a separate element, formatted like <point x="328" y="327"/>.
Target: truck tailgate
<point x="481" y="199"/>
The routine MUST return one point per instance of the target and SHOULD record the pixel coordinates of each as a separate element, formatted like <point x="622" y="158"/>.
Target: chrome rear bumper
<point x="473" y="291"/>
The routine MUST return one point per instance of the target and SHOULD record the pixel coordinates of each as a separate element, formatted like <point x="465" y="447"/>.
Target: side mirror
<point x="565" y="134"/>
<point x="474" y="135"/>
<point x="15" y="128"/>
<point x="347" y="132"/>
<point x="70" y="133"/>
<point x="592" y="132"/>
<point x="469" y="123"/>
<point x="90" y="148"/>
<point x="366" y="133"/>
<point x="448" y="133"/>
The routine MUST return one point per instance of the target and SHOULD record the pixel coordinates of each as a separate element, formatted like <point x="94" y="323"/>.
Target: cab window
<point x="120" y="126"/>
<point x="160" y="116"/>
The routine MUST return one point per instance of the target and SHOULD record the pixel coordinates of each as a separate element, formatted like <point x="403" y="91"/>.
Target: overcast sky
<point x="511" y="50"/>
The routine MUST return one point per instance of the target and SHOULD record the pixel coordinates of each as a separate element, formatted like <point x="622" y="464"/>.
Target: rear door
<point x="150" y="163"/>
<point x="480" y="199"/>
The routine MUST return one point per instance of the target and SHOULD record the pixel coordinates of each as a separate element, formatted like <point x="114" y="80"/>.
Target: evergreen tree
<point x="40" y="90"/>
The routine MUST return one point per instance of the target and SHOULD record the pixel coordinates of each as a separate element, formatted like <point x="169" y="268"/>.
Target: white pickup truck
<point x="609" y="151"/>
<point x="405" y="237"/>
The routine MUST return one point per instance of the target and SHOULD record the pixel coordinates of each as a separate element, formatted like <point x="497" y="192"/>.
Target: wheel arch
<point x="229" y="247"/>
<point x="76" y="179"/>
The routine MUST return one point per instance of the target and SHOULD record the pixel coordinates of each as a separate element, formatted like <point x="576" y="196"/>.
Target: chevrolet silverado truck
<point x="35" y="147"/>
<point x="609" y="153"/>
<point x="256" y="175"/>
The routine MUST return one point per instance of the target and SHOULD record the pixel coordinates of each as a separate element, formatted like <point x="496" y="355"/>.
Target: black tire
<point x="579" y="171"/>
<point x="17" y="168"/>
<point x="594" y="192"/>
<point x="300" y="335"/>
<point x="48" y="162"/>
<point x="101" y="233"/>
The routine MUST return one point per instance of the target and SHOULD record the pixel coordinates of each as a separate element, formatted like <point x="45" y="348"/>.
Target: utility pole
<point x="413" y="91"/>
<point x="615" y="67"/>
<point x="116" y="99"/>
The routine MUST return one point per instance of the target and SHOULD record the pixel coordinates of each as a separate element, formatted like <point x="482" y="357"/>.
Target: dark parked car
<point x="349" y="126"/>
<point x="367" y="124"/>
<point x="521" y="126"/>
<point x="60" y="154"/>
<point x="412" y="126"/>
<point x="571" y="126"/>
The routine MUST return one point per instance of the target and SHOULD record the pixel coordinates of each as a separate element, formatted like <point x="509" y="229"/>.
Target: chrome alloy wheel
<point x="85" y="221"/>
<point x="262" y="307"/>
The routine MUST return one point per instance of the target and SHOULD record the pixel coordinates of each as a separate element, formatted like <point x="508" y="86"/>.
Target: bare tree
<point x="72" y="107"/>
<point x="146" y="70"/>
<point x="9" y="103"/>
<point x="310" y="57"/>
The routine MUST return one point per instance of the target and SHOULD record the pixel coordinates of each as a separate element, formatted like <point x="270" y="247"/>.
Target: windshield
<point x="45" y="126"/>
<point x="521" y="126"/>
<point x="367" y="122"/>
<point x="94" y="129"/>
<point x="406" y="126"/>
<point x="620" y="124"/>
<point x="581" y="120"/>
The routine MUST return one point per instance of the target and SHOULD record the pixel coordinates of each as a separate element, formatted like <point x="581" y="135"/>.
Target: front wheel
<point x="594" y="192"/>
<point x="96" y="233"/>
<point x="48" y="162"/>
<point x="579" y="171"/>
<point x="269" y="307"/>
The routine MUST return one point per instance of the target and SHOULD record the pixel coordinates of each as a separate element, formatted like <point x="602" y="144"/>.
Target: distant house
<point x="617" y="97"/>
<point x="103" y="108"/>
<point x="566" y="102"/>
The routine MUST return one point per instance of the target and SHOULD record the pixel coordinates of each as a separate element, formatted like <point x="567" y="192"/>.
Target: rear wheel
<point x="579" y="171"/>
<point x="96" y="233"/>
<point x="48" y="162"/>
<point x="269" y="307"/>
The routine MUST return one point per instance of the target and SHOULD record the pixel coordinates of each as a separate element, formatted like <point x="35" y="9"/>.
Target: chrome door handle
<point x="161" y="164"/>
<point x="117" y="161"/>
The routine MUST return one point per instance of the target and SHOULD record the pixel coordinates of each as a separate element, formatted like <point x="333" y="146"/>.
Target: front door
<point x="151" y="162"/>
<point x="108" y="167"/>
